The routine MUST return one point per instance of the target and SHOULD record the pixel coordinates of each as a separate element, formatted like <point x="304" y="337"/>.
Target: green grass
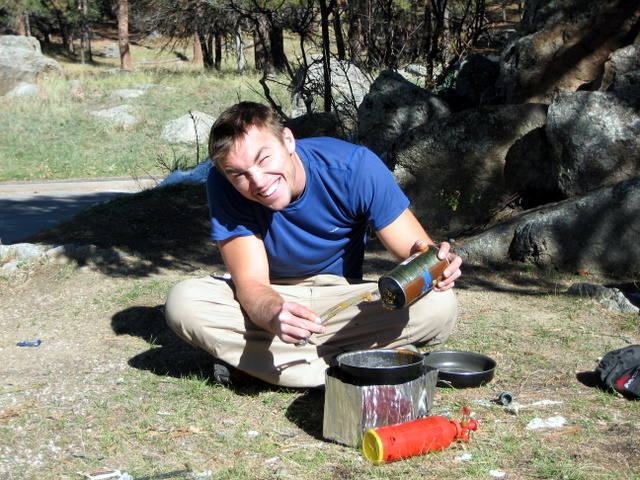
<point x="56" y="137"/>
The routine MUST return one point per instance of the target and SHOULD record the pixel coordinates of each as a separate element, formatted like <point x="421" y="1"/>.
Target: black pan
<point x="460" y="369"/>
<point x="380" y="367"/>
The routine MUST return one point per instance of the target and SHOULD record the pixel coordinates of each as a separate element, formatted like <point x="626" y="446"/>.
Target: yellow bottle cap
<point x="372" y="447"/>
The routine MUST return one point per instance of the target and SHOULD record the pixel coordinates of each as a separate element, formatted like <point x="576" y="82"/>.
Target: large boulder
<point x="392" y="107"/>
<point x="476" y="79"/>
<point x="21" y="61"/>
<point x="528" y="170"/>
<point x="622" y="70"/>
<point x="349" y="85"/>
<point x="320" y="124"/>
<point x="194" y="127"/>
<point x="595" y="139"/>
<point x="452" y="170"/>
<point x="597" y="232"/>
<point x="563" y="45"/>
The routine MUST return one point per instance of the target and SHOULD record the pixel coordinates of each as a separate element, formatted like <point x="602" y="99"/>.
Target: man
<point x="291" y="218"/>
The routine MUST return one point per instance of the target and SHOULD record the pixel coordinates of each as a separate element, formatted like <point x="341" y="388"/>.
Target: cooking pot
<point x="380" y="367"/>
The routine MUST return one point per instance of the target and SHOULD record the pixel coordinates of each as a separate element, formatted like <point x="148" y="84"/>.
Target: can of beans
<point x="411" y="279"/>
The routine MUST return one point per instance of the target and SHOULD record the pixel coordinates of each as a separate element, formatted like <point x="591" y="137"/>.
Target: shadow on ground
<point x="20" y="218"/>
<point x="140" y="234"/>
<point x="168" y="354"/>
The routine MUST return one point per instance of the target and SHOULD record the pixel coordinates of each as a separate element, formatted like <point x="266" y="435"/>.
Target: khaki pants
<point x="205" y="313"/>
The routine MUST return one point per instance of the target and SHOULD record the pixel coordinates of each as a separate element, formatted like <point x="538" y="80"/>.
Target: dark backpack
<point x="620" y="370"/>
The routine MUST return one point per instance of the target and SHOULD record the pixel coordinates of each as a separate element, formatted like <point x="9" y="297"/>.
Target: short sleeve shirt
<point x="348" y="188"/>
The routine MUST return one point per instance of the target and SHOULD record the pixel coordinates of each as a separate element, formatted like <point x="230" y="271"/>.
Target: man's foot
<point x="222" y="372"/>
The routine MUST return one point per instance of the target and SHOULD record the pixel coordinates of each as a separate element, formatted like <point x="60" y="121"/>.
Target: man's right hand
<point x="295" y="322"/>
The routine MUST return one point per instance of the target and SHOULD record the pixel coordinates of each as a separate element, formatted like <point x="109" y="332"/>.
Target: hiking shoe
<point x="221" y="372"/>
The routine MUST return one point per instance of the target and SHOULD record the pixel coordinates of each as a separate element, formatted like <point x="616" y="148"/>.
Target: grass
<point x="56" y="137"/>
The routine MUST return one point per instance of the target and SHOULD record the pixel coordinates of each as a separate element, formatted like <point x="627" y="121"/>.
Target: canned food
<point x="411" y="279"/>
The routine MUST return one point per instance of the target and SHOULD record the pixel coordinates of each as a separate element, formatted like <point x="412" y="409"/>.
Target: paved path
<point x="28" y="207"/>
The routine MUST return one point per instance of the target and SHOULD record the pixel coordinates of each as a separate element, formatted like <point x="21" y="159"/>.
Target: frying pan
<point x="380" y="367"/>
<point x="461" y="369"/>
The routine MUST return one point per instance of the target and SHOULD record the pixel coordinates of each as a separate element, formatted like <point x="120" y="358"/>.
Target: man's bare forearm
<point x="261" y="302"/>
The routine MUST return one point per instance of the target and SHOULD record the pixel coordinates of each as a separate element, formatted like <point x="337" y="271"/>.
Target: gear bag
<point x="620" y="370"/>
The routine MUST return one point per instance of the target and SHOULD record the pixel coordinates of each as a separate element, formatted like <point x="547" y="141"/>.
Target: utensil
<point x="460" y="369"/>
<point x="381" y="367"/>
<point x="337" y="308"/>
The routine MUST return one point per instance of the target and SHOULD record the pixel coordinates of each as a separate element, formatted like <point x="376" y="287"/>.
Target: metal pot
<point x="380" y="367"/>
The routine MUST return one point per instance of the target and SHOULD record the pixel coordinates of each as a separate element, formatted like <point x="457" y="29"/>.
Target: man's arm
<point x="405" y="236"/>
<point x="246" y="259"/>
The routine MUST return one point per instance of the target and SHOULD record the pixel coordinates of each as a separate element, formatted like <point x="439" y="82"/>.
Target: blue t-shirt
<point x="325" y="229"/>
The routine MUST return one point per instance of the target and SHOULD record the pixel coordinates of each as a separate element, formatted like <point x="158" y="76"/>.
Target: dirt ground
<point x="109" y="378"/>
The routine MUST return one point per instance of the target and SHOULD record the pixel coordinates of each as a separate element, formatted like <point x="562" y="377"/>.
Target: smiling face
<point x="265" y="168"/>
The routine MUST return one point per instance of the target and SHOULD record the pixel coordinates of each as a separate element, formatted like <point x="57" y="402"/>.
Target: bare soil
<point x="111" y="386"/>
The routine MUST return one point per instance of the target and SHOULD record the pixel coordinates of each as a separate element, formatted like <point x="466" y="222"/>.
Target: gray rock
<point x="453" y="168"/>
<point x="611" y="298"/>
<point x="528" y="170"/>
<point x="189" y="128"/>
<point x="594" y="138"/>
<point x="622" y="70"/>
<point x="476" y="79"/>
<point x="597" y="232"/>
<point x="24" y="89"/>
<point x="127" y="93"/>
<point x="120" y="116"/>
<point x="152" y="86"/>
<point x="22" y="61"/>
<point x="21" y="251"/>
<point x="349" y="85"/>
<point x="20" y="42"/>
<point x="321" y="124"/>
<point x="392" y="107"/>
<point x="112" y="51"/>
<point x="562" y="45"/>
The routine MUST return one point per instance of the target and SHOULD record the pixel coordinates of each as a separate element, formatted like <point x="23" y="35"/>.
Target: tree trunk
<point x="126" y="62"/>
<point x="326" y="54"/>
<point x="357" y="32"/>
<point x="262" y="41"/>
<point x="85" y="43"/>
<point x="206" y="43"/>
<point x="217" y="62"/>
<point x="19" y="23"/>
<point x="241" y="60"/>
<point x="276" y="38"/>
<point x="198" y="59"/>
<point x="337" y="29"/>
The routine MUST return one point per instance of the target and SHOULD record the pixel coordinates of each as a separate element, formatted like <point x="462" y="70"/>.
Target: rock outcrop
<point x="597" y="232"/>
<point x="392" y="107"/>
<point x="21" y="61"/>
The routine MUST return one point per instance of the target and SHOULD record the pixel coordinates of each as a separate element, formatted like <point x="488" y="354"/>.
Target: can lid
<point x="391" y="292"/>
<point x="372" y="447"/>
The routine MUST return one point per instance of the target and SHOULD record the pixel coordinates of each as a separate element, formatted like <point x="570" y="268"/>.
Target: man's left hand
<point x="452" y="272"/>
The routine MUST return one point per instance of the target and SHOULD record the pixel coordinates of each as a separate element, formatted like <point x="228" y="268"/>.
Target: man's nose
<point x="256" y="177"/>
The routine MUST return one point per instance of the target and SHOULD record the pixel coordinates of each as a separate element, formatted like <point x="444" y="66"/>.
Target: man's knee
<point x="437" y="317"/>
<point x="179" y="305"/>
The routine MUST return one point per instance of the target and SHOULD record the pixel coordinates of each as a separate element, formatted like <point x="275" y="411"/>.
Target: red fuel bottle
<point x="402" y="440"/>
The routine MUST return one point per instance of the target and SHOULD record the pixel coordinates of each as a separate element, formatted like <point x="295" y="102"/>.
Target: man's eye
<point x="263" y="160"/>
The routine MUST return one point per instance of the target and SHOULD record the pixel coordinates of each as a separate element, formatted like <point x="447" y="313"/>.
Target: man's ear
<point x="288" y="139"/>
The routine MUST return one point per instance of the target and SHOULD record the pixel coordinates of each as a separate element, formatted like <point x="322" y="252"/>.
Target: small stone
<point x="497" y="474"/>
<point x="463" y="458"/>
